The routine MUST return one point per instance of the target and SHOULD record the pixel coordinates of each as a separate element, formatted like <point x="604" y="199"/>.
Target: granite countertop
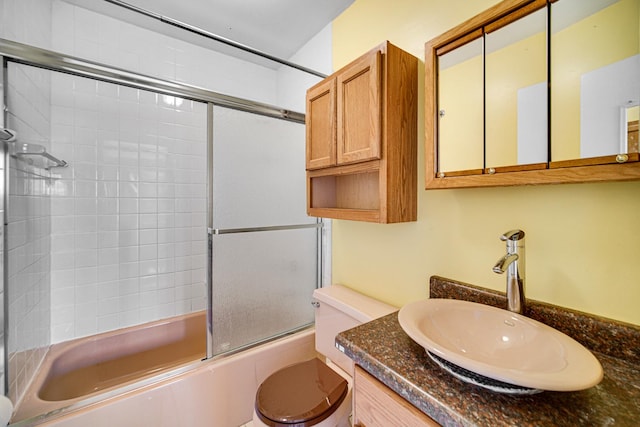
<point x="383" y="349"/>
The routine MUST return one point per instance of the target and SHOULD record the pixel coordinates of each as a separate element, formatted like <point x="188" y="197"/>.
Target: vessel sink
<point x="500" y="345"/>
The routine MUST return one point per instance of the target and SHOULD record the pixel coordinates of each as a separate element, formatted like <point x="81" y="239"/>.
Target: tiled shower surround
<point x="28" y="291"/>
<point x="128" y="218"/>
<point x="28" y="229"/>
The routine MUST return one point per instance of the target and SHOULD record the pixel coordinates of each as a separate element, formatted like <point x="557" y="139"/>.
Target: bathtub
<point x="153" y="375"/>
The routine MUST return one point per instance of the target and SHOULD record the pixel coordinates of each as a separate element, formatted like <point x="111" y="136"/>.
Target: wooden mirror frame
<point x="607" y="168"/>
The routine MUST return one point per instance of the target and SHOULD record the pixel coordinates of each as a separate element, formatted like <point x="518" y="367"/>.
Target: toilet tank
<point x="339" y="308"/>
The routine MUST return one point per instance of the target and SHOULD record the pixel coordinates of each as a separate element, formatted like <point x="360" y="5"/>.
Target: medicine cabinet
<point x="535" y="92"/>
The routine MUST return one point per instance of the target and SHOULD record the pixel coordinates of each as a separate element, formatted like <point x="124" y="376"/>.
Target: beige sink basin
<point x="500" y="345"/>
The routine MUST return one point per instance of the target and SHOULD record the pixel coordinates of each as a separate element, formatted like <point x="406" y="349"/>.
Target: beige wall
<point x="583" y="240"/>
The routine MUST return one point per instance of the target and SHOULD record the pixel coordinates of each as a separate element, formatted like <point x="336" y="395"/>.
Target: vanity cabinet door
<point x="375" y="405"/>
<point x="321" y="125"/>
<point x="359" y="110"/>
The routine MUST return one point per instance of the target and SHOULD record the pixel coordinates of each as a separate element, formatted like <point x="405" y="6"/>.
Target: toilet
<point x="318" y="392"/>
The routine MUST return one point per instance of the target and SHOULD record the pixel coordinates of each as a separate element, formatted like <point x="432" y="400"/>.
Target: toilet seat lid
<point x="306" y="392"/>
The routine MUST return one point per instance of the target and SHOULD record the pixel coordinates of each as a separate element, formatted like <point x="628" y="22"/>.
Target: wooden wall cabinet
<point x="361" y="131"/>
<point x="376" y="405"/>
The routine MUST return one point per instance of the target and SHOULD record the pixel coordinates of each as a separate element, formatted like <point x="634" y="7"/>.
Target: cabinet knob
<point x="621" y="158"/>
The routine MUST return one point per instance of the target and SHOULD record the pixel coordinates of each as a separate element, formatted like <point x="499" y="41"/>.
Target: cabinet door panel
<point x="461" y="109"/>
<point x="375" y="405"/>
<point x="321" y="126"/>
<point x="516" y="92"/>
<point x="359" y="110"/>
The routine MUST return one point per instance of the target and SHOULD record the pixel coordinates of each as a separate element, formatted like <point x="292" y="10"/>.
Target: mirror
<point x="560" y="95"/>
<point x="595" y="75"/>
<point x="629" y="134"/>
<point x="460" y="101"/>
<point x="516" y="91"/>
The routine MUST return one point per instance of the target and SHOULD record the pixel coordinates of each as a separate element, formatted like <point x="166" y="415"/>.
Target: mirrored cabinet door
<point x="595" y="74"/>
<point x="461" y="114"/>
<point x="516" y="91"/>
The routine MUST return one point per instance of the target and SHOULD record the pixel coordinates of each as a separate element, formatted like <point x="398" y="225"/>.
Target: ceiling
<point x="276" y="27"/>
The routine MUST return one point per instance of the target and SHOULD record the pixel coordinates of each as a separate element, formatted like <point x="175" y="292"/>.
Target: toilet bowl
<point x="318" y="392"/>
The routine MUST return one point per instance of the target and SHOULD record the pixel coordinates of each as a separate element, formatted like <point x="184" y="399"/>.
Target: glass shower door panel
<point x="258" y="171"/>
<point x="262" y="285"/>
<point x="262" y="281"/>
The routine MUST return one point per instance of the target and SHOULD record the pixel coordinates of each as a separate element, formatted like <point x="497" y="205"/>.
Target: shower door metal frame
<point x="20" y="53"/>
<point x="54" y="61"/>
<point x="4" y="189"/>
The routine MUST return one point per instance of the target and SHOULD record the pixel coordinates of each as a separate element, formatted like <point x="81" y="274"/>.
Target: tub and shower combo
<point x="158" y="262"/>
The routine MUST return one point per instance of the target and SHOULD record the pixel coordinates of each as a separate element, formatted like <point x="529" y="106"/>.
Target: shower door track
<point x="54" y="61"/>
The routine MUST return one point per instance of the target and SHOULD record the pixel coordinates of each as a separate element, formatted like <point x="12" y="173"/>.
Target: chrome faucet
<point x="513" y="264"/>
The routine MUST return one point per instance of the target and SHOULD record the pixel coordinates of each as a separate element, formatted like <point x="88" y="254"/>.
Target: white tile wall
<point x="84" y="33"/>
<point x="27" y="21"/>
<point x="293" y="84"/>
<point x="28" y="229"/>
<point x="129" y="214"/>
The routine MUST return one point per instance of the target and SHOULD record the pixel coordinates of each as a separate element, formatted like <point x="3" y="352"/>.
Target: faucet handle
<point x="513" y="235"/>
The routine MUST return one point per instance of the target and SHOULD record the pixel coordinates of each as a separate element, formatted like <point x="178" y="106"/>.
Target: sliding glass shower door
<point x="264" y="246"/>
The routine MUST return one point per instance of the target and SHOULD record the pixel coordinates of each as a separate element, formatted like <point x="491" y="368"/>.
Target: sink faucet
<point x="513" y="264"/>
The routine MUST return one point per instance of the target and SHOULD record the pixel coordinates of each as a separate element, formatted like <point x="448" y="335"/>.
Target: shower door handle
<point x="7" y="135"/>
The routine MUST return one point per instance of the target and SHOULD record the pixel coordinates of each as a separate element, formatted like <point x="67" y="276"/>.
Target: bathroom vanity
<point x="397" y="384"/>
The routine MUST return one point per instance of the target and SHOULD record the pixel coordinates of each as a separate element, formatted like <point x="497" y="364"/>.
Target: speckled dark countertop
<point x="383" y="349"/>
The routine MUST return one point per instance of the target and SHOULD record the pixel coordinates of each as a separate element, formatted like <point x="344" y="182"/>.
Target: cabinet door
<point x="321" y="125"/>
<point x="359" y="109"/>
<point x="375" y="405"/>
